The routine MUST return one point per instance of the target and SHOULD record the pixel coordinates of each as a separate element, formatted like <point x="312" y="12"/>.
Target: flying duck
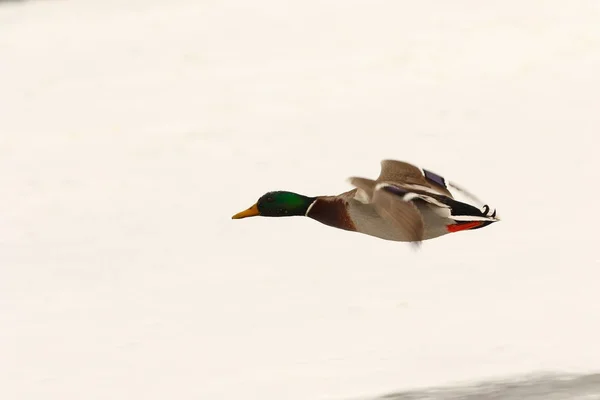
<point x="405" y="203"/>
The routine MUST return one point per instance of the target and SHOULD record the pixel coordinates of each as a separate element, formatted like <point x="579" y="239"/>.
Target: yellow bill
<point x="251" y="212"/>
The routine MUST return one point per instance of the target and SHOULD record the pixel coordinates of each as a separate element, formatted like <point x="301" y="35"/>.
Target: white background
<point x="130" y="132"/>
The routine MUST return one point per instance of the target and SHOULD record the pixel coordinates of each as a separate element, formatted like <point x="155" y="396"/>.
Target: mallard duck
<point x="405" y="203"/>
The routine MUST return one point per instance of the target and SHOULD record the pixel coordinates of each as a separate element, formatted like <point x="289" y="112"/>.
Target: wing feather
<point x="394" y="206"/>
<point x="401" y="172"/>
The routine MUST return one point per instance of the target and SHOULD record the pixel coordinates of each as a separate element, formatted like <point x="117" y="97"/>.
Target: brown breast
<point x="332" y="211"/>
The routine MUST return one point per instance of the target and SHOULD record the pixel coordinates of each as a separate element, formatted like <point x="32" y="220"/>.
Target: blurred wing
<point x="404" y="214"/>
<point x="404" y="173"/>
<point x="395" y="206"/>
<point x="365" y="187"/>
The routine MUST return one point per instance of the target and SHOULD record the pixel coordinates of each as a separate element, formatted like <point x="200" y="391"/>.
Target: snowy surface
<point x="130" y="132"/>
<point x="530" y="387"/>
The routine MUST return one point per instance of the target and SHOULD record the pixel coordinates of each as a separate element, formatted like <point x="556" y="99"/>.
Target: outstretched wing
<point x="403" y="173"/>
<point x="410" y="183"/>
<point x="397" y="208"/>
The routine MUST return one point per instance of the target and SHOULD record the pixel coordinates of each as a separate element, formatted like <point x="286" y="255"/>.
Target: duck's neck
<point x="332" y="211"/>
<point x="295" y="204"/>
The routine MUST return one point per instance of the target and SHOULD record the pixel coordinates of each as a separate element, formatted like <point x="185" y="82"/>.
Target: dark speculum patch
<point x="395" y="190"/>
<point x="435" y="178"/>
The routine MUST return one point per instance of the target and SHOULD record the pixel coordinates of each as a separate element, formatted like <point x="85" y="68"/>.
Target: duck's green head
<point x="278" y="204"/>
